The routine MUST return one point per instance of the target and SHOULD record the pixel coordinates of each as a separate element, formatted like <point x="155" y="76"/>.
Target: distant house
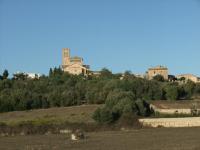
<point x="139" y="76"/>
<point x="158" y="70"/>
<point x="176" y="107"/>
<point x="26" y="75"/>
<point x="95" y="73"/>
<point x="187" y="77"/>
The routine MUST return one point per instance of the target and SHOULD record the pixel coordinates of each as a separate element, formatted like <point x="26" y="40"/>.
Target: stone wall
<point x="171" y="122"/>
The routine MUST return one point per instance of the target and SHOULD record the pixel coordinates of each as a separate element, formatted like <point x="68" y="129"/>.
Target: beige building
<point x="73" y="65"/>
<point x="189" y="77"/>
<point x="186" y="107"/>
<point x="159" y="70"/>
<point x="176" y="107"/>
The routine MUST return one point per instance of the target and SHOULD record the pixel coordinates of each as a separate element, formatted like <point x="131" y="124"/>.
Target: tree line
<point x="62" y="89"/>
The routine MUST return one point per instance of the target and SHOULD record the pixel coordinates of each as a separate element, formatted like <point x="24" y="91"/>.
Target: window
<point x="66" y="54"/>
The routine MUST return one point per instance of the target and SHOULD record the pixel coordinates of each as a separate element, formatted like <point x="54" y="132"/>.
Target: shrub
<point x="171" y="92"/>
<point x="117" y="103"/>
<point x="103" y="115"/>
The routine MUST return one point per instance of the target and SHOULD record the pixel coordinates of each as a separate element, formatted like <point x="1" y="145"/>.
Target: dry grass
<point x="143" y="139"/>
<point x="75" y="114"/>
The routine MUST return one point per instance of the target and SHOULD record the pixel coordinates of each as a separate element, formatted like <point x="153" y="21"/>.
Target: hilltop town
<point x="76" y="66"/>
<point x="72" y="98"/>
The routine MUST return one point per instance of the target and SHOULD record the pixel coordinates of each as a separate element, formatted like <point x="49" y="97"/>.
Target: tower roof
<point x="158" y="68"/>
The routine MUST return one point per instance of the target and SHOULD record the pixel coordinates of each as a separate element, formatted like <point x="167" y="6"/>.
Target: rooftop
<point x="76" y="57"/>
<point x="181" y="104"/>
<point x="158" y="68"/>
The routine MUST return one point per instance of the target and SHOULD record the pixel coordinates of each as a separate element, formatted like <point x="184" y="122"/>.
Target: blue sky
<point x="117" y="34"/>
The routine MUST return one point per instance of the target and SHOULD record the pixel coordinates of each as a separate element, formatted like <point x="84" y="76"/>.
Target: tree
<point x="50" y="72"/>
<point x="117" y="103"/>
<point x="5" y="74"/>
<point x="143" y="108"/>
<point x="20" y="76"/>
<point x="57" y="71"/>
<point x="1" y="77"/>
<point x="159" y="78"/>
<point x="171" y="92"/>
<point x="189" y="88"/>
<point x="128" y="75"/>
<point x="103" y="115"/>
<point x="105" y="73"/>
<point x="182" y="79"/>
<point x="197" y="89"/>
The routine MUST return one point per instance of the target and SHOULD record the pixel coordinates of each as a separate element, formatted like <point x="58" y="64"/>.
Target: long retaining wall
<point x="171" y="122"/>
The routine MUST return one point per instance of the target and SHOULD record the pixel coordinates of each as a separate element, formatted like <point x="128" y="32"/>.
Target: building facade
<point x="187" y="77"/>
<point x="73" y="65"/>
<point x="159" y="70"/>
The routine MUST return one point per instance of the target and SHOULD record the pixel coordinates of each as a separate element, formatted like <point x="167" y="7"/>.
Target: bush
<point x="159" y="78"/>
<point x="128" y="119"/>
<point x="171" y="92"/>
<point x="118" y="102"/>
<point x="103" y="115"/>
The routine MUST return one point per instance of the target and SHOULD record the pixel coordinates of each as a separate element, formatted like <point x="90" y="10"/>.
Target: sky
<point x="117" y="34"/>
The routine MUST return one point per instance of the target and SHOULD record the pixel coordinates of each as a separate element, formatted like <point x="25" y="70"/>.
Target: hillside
<point x="75" y="114"/>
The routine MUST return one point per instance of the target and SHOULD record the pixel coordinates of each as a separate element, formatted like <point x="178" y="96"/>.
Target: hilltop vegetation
<point x="121" y="97"/>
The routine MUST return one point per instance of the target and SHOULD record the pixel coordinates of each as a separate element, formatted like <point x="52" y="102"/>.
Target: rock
<point x="77" y="135"/>
<point x="73" y="137"/>
<point x="48" y="133"/>
<point x="22" y="133"/>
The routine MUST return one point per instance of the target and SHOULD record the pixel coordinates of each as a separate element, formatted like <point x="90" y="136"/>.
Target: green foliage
<point x="121" y="105"/>
<point x="171" y="92"/>
<point x="62" y="89"/>
<point x="197" y="89"/>
<point x="5" y="74"/>
<point x="182" y="79"/>
<point x="103" y="115"/>
<point x="143" y="108"/>
<point x="128" y="75"/>
<point x="106" y="74"/>
<point x="20" y="76"/>
<point x="189" y="88"/>
<point x="159" y="78"/>
<point x="1" y="77"/>
<point x="117" y="103"/>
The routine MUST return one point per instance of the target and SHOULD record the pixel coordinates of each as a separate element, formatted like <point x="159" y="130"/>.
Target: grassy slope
<point x="75" y="114"/>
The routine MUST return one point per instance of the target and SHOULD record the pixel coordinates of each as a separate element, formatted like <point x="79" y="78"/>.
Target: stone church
<point x="73" y="65"/>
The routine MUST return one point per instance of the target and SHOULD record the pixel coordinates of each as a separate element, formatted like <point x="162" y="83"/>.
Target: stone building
<point x="73" y="65"/>
<point x="176" y="107"/>
<point x="159" y="70"/>
<point x="187" y="77"/>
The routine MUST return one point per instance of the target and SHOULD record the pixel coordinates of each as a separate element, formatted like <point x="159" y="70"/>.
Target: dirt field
<point x="143" y="139"/>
